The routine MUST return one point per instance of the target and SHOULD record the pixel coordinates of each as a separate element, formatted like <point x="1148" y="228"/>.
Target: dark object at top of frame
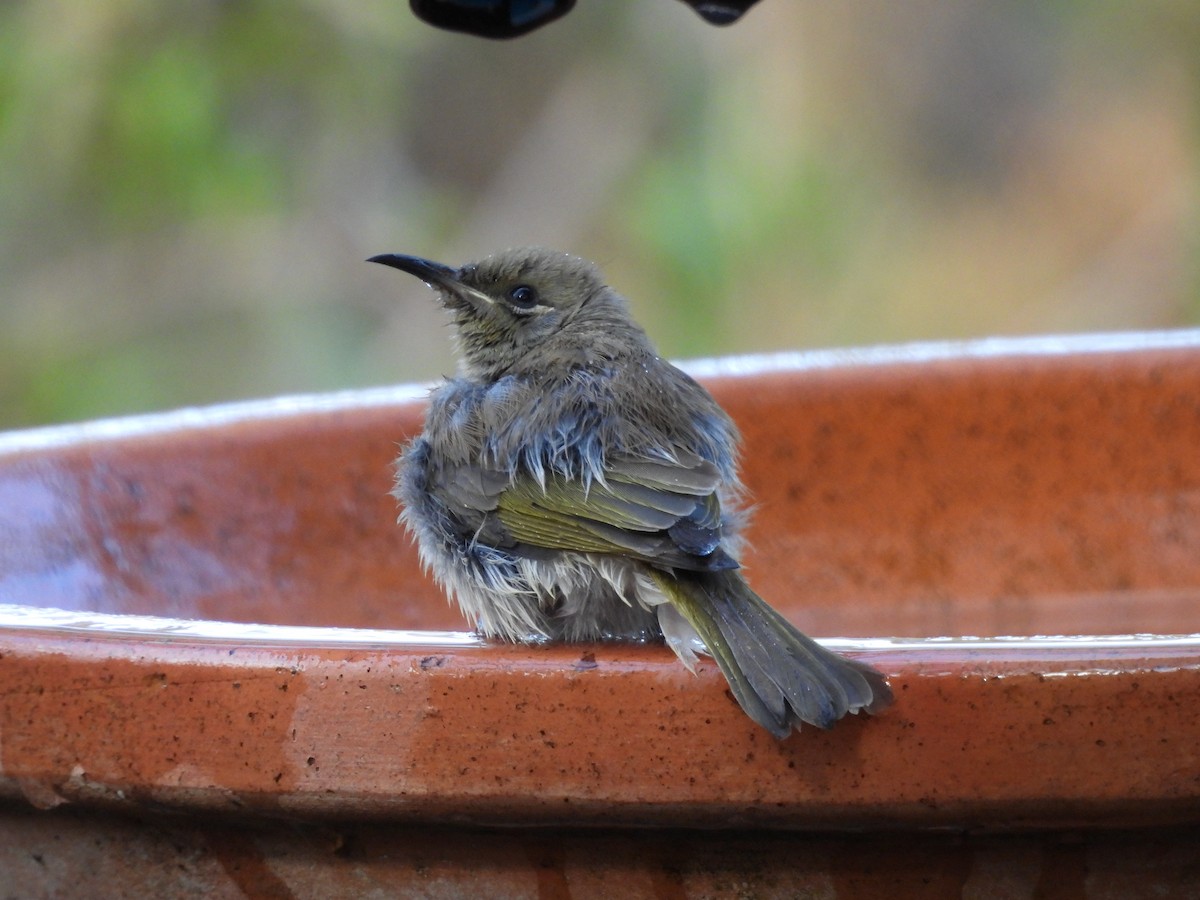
<point x="513" y="18"/>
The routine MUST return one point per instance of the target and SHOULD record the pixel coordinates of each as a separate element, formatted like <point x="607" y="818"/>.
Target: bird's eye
<point x="523" y="296"/>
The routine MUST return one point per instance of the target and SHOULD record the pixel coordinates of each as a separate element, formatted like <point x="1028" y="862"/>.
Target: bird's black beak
<point x="432" y="273"/>
<point x="445" y="280"/>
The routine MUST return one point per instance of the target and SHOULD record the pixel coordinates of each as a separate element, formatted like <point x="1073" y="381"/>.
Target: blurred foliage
<point x="188" y="192"/>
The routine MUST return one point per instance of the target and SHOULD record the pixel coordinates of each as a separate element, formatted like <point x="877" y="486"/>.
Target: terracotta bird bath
<point x="221" y="665"/>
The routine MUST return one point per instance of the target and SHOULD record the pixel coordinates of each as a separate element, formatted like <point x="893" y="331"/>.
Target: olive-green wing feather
<point x="664" y="512"/>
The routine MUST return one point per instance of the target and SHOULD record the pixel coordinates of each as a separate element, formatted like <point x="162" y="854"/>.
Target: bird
<point x="570" y="484"/>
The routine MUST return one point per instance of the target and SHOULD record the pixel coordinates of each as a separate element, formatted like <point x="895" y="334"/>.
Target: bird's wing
<point x="664" y="512"/>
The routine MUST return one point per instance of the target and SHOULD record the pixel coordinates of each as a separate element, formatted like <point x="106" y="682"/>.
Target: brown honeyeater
<point x="570" y="484"/>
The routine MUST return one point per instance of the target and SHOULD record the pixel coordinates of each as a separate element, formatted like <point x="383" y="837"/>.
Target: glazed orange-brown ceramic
<point x="215" y="612"/>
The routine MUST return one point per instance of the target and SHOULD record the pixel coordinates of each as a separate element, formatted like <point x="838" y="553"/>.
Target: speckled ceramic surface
<point x="1017" y="488"/>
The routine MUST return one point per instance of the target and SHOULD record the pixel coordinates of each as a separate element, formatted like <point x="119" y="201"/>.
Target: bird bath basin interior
<point x="213" y="612"/>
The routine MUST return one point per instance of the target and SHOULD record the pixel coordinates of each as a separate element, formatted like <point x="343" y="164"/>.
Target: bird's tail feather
<point x="780" y="676"/>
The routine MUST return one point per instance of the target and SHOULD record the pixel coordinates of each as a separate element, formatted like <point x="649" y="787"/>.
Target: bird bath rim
<point x="147" y="706"/>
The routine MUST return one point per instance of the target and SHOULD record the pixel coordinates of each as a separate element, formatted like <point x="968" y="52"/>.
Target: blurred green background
<point x="187" y="191"/>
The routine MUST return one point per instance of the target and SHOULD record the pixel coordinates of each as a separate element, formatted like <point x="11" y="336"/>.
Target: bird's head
<point x="528" y="310"/>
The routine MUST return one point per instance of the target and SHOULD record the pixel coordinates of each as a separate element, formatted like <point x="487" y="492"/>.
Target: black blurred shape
<point x="720" y="12"/>
<point x="491" y="18"/>
<point x="513" y="18"/>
